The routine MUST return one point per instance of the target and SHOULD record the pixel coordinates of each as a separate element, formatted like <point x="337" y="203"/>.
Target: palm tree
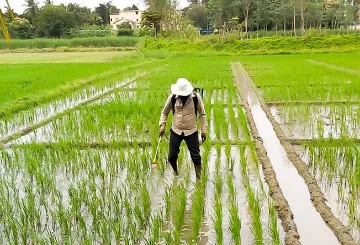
<point x="3" y="23"/>
<point x="31" y="10"/>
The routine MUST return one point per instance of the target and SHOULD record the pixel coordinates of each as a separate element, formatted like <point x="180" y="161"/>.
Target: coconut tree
<point x="31" y="10"/>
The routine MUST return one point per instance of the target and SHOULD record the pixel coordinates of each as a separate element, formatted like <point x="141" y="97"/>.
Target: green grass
<point x="267" y="45"/>
<point x="71" y="43"/>
<point x="346" y="60"/>
<point x="62" y="57"/>
<point x="25" y="85"/>
<point x="294" y="78"/>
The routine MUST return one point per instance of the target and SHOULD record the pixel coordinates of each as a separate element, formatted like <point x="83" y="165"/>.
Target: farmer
<point x="186" y="105"/>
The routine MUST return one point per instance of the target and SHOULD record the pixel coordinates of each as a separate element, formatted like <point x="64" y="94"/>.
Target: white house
<point x="131" y="16"/>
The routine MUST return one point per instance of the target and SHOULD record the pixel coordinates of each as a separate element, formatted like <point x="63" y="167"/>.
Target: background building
<point x="131" y="16"/>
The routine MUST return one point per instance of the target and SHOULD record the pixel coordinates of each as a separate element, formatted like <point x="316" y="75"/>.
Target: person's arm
<point x="164" y="114"/>
<point x="202" y="117"/>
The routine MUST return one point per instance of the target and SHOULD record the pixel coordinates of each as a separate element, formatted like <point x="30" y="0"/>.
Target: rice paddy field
<point x="75" y="156"/>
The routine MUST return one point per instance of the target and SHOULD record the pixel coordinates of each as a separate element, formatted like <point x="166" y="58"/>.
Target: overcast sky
<point x="17" y="5"/>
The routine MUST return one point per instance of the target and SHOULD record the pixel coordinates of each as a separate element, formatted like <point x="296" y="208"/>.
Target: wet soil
<point x="317" y="197"/>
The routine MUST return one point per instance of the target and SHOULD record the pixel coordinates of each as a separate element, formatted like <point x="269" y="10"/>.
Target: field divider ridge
<point x="334" y="67"/>
<point x="115" y="144"/>
<point x="302" y="85"/>
<point x="283" y="208"/>
<point x="305" y="102"/>
<point x="317" y="197"/>
<point x="326" y="142"/>
<point x="28" y="129"/>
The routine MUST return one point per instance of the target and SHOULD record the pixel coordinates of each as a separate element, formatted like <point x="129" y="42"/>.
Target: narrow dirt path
<point x="311" y="229"/>
<point x="334" y="67"/>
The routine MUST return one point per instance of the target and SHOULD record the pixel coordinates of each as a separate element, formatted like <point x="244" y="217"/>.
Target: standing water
<point x="311" y="227"/>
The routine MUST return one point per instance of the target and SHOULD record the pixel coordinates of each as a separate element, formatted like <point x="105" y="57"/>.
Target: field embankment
<point x="89" y="42"/>
<point x="267" y="45"/>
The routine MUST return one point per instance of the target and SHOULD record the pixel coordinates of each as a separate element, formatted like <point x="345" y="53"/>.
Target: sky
<point x="17" y="5"/>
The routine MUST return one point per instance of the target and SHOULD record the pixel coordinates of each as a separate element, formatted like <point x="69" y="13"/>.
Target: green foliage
<point x="269" y="44"/>
<point x="151" y="19"/>
<point x="90" y="31"/>
<point x="104" y="13"/>
<point x="144" y="31"/>
<point x="54" y="21"/>
<point x="133" y="7"/>
<point x="125" y="32"/>
<point x="197" y="14"/>
<point x="71" y="43"/>
<point x="21" y="28"/>
<point x="125" y="25"/>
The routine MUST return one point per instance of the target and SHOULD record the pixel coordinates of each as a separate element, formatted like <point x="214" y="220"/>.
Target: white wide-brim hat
<point x="182" y="87"/>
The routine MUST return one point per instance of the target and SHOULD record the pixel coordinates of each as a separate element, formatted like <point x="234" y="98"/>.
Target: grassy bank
<point x="70" y="43"/>
<point x="268" y="45"/>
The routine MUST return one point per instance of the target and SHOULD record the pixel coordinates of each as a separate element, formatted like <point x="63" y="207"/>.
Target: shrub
<point x="125" y="25"/>
<point x="143" y="32"/>
<point x="125" y="32"/>
<point x="21" y="28"/>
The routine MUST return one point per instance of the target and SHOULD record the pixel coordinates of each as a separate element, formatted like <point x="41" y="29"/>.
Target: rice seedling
<point x="235" y="222"/>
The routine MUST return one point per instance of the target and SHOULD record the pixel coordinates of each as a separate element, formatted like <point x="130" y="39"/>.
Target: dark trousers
<point x="192" y="142"/>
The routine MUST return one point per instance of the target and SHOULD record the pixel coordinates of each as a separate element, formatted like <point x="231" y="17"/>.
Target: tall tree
<point x="133" y="7"/>
<point x="104" y="13"/>
<point x="197" y="14"/>
<point x="54" y="21"/>
<point x="32" y="9"/>
<point x="112" y="8"/>
<point x="83" y="15"/>
<point x="245" y="4"/>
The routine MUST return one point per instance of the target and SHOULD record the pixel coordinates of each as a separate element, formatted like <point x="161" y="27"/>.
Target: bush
<point x="125" y="32"/>
<point x="143" y="32"/>
<point x="125" y="25"/>
<point x="21" y="28"/>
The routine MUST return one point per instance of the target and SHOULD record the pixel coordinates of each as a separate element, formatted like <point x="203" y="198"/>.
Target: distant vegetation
<point x="71" y="43"/>
<point x="259" y="45"/>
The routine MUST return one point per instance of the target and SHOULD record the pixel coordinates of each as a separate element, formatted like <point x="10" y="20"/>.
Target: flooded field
<point x="77" y="169"/>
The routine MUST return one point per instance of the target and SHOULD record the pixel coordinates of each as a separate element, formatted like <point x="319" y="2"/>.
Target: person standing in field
<point x="186" y="105"/>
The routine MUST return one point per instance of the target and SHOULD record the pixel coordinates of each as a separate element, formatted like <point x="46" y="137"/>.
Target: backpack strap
<point x="173" y="101"/>
<point x="196" y="102"/>
<point x="195" y="99"/>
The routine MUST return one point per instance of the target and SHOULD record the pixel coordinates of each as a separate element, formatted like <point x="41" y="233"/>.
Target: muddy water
<point x="46" y="113"/>
<point x="299" y="122"/>
<point x="336" y="203"/>
<point x="311" y="227"/>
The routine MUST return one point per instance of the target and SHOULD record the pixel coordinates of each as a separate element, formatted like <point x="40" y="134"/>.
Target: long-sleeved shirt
<point x="184" y="120"/>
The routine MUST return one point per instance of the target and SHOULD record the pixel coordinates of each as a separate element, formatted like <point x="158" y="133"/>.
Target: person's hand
<point x="162" y="132"/>
<point x="203" y="137"/>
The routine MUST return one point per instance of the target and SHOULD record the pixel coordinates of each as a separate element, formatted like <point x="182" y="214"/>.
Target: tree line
<point x="266" y="15"/>
<point x="57" y="21"/>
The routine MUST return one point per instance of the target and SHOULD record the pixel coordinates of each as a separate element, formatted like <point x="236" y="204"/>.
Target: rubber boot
<point x="198" y="171"/>
<point x="174" y="167"/>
